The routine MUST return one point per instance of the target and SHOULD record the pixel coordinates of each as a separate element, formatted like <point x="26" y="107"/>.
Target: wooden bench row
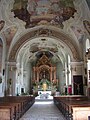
<point x="13" y="107"/>
<point x="73" y="107"/>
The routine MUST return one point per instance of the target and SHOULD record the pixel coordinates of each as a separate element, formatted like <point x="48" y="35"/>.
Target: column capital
<point x="11" y="63"/>
<point x="77" y="63"/>
<point x="12" y="66"/>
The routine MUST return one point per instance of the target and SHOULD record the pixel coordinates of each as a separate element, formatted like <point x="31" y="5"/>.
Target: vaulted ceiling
<point x="64" y="16"/>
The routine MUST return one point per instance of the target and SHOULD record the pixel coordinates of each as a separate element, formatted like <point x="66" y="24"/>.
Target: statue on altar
<point x="44" y="86"/>
<point x="44" y="83"/>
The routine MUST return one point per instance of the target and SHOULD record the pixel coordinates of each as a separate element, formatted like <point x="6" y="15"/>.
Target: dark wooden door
<point x="78" y="84"/>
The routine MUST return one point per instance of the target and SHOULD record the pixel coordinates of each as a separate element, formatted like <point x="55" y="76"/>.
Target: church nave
<point x="44" y="59"/>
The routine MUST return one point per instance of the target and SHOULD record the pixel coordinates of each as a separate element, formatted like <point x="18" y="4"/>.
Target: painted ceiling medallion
<point x="35" y="12"/>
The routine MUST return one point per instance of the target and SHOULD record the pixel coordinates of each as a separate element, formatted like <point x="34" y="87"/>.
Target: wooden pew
<point x="81" y="113"/>
<point x="26" y="101"/>
<point x="15" y="106"/>
<point x="13" y="103"/>
<point x="7" y="112"/>
<point x="69" y="106"/>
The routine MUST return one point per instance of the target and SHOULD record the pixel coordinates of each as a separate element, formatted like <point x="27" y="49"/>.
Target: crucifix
<point x="78" y="86"/>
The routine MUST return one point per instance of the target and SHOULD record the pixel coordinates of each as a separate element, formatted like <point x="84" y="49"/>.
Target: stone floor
<point x="43" y="110"/>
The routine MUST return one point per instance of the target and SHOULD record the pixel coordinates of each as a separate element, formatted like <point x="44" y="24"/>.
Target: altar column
<point x="51" y="74"/>
<point x="34" y="73"/>
<point x="37" y="76"/>
<point x="54" y="73"/>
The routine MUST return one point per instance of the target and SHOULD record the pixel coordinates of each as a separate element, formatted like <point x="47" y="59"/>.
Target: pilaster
<point x="11" y="80"/>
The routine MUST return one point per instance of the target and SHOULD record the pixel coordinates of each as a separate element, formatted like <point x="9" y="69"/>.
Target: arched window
<point x="1" y="52"/>
<point x="69" y="60"/>
<point x="88" y="59"/>
<point x="87" y="44"/>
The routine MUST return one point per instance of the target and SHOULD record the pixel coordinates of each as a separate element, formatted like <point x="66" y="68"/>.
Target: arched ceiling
<point x="45" y="39"/>
<point x="34" y="49"/>
<point x="24" y="17"/>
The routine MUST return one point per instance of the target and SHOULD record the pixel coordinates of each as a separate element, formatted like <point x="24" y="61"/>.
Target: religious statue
<point x="44" y="83"/>
<point x="44" y="86"/>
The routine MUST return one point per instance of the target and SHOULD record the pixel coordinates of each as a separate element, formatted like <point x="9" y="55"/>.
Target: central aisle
<point x="43" y="110"/>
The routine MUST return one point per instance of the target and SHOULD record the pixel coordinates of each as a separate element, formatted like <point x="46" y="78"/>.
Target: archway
<point x="63" y="43"/>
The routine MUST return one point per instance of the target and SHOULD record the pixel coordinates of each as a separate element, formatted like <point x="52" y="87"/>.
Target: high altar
<point x="44" y="75"/>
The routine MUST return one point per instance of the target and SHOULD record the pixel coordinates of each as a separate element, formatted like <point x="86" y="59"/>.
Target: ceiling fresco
<point x="43" y="47"/>
<point x="35" y="12"/>
<point x="49" y="16"/>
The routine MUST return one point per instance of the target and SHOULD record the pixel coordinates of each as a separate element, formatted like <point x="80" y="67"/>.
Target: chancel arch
<point x="55" y="44"/>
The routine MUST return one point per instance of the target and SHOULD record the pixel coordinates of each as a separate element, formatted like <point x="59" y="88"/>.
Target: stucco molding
<point x="44" y="32"/>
